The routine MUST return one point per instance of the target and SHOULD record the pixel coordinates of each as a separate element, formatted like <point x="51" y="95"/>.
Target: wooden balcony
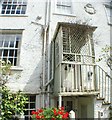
<point x="82" y="79"/>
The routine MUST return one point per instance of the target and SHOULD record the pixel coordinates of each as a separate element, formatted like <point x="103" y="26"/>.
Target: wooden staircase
<point x="104" y="86"/>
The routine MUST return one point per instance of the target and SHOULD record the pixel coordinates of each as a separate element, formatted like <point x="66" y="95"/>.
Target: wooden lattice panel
<point x="77" y="40"/>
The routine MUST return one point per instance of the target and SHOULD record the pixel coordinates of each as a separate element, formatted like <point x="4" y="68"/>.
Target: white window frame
<point x="10" y="43"/>
<point x="62" y="6"/>
<point x="109" y="16"/>
<point x="29" y="109"/>
<point x="15" y="7"/>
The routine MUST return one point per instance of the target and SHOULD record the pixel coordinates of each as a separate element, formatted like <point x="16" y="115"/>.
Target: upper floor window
<point x="63" y="6"/>
<point x="109" y="13"/>
<point x="10" y="47"/>
<point x="14" y="6"/>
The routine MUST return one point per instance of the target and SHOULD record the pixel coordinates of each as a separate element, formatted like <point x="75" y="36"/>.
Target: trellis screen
<point x="77" y="44"/>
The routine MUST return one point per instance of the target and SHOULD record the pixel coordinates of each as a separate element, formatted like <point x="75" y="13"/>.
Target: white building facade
<point x="53" y="46"/>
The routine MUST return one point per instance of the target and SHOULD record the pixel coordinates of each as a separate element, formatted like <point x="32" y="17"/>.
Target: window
<point x="10" y="47"/>
<point x="14" y="6"/>
<point x="30" y="106"/>
<point x="109" y="13"/>
<point x="63" y="6"/>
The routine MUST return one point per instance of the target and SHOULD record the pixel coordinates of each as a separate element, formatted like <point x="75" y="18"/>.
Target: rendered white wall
<point x="30" y="74"/>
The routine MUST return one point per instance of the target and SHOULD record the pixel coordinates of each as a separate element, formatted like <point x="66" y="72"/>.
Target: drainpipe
<point x="44" y="50"/>
<point x="45" y="27"/>
<point x="43" y="82"/>
<point x="49" y="42"/>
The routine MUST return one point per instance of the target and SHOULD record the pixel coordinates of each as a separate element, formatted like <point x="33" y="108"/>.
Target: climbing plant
<point x="11" y="104"/>
<point x="106" y="56"/>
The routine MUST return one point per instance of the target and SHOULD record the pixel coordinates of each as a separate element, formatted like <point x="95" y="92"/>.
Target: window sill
<point x="16" y="68"/>
<point x="11" y="15"/>
<point x="62" y="14"/>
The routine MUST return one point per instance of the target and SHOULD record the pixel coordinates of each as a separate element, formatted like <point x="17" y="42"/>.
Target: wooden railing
<point x="85" y="78"/>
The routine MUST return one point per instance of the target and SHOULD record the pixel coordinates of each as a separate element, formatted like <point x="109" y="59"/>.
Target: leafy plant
<point x="50" y="113"/>
<point x="106" y="56"/>
<point x="11" y="104"/>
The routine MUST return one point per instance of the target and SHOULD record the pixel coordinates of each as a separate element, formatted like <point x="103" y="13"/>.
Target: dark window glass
<point x="11" y="53"/>
<point x="32" y="105"/>
<point x="9" y="7"/>
<point x="32" y="98"/>
<point x="16" y="46"/>
<point x="26" y="118"/>
<point x="15" y="61"/>
<point x="3" y="6"/>
<point x="5" y="53"/>
<point x="13" y="12"/>
<point x="8" y="12"/>
<point x="15" y="53"/>
<point x="3" y="12"/>
<point x="26" y="106"/>
<point x="26" y="112"/>
<point x="0" y="53"/>
<point x="14" y="6"/>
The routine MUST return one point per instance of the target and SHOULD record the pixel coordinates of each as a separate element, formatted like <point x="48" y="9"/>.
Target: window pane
<point x="0" y="53"/>
<point x="15" y="61"/>
<point x="26" y="106"/>
<point x="11" y="60"/>
<point x="26" y="112"/>
<point x="13" y="12"/>
<point x="18" y="37"/>
<point x="18" y="10"/>
<point x="14" y="7"/>
<point x="23" y="9"/>
<point x="26" y="118"/>
<point x="16" y="44"/>
<point x="3" y="6"/>
<point x="6" y="43"/>
<point x="32" y="105"/>
<point x="8" y="12"/>
<point x="64" y="6"/>
<point x="9" y="7"/>
<point x="5" y="53"/>
<point x="11" y="44"/>
<point x="3" y="12"/>
<point x="1" y="43"/>
<point x="32" y="98"/>
<point x="11" y="53"/>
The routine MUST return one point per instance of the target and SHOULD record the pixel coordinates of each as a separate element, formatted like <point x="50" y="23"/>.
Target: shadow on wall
<point x="33" y="84"/>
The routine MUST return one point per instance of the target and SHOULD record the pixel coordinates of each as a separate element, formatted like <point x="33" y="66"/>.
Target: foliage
<point x="4" y="72"/>
<point x="50" y="113"/>
<point x="106" y="56"/>
<point x="10" y="103"/>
